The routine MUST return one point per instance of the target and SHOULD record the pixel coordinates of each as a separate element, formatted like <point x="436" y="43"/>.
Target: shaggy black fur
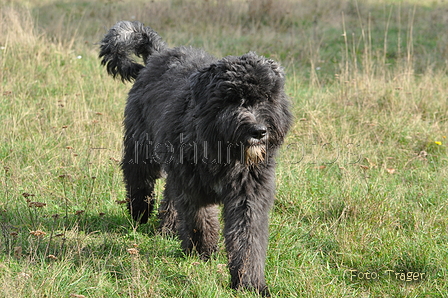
<point x="213" y="127"/>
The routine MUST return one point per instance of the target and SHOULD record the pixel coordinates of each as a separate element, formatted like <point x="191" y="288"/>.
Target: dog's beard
<point x="255" y="154"/>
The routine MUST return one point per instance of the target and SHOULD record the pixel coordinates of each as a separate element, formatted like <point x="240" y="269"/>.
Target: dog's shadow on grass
<point x="125" y="232"/>
<point x="41" y="234"/>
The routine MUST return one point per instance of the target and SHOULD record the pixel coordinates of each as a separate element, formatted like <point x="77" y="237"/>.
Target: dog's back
<point x="173" y="66"/>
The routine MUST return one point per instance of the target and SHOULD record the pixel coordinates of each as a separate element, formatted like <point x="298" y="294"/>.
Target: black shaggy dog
<point x="213" y="128"/>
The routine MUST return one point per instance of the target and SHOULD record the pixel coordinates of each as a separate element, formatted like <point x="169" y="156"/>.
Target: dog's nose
<point x="259" y="132"/>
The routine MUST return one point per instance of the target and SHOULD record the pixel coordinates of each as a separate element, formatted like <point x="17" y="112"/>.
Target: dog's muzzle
<point x="256" y="148"/>
<point x="259" y="132"/>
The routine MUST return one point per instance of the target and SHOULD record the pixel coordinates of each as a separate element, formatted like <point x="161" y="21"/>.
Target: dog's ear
<point x="279" y="74"/>
<point x="276" y="68"/>
<point x="213" y="81"/>
<point x="201" y="84"/>
<point x="270" y="75"/>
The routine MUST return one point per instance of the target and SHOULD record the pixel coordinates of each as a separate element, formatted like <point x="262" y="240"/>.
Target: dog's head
<point x="241" y="103"/>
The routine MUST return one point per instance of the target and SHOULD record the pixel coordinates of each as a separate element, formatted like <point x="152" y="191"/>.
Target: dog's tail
<point x="122" y="41"/>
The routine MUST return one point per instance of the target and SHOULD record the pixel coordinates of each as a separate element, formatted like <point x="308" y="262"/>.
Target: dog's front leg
<point x="246" y="237"/>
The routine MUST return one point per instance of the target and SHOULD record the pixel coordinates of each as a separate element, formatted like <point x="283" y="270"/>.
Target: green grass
<point x="361" y="180"/>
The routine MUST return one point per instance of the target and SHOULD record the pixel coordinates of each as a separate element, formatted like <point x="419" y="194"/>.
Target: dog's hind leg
<point x="168" y="214"/>
<point x="198" y="225"/>
<point x="140" y="174"/>
<point x="199" y="229"/>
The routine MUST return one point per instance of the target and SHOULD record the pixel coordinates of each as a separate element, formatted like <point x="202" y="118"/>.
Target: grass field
<point x="362" y="181"/>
